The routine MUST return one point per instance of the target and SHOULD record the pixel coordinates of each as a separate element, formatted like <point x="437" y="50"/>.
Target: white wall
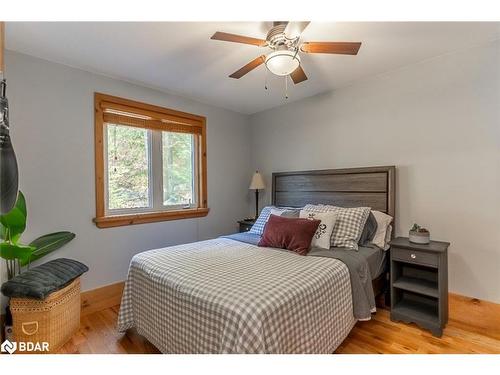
<point x="439" y="122"/>
<point x="51" y="108"/>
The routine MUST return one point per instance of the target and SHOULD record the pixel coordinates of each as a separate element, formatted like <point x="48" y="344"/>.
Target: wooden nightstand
<point x="246" y="225"/>
<point x="419" y="283"/>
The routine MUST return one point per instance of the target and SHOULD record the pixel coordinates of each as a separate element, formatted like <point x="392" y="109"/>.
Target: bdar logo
<point x="8" y="347"/>
<point x="21" y="346"/>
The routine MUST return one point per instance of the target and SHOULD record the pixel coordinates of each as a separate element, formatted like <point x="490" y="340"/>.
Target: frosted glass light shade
<point x="257" y="182"/>
<point x="282" y="63"/>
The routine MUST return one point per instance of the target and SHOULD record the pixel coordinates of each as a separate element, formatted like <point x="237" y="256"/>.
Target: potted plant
<point x="19" y="256"/>
<point x="419" y="235"/>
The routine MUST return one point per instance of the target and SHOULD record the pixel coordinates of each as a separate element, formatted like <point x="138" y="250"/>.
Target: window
<point x="150" y="163"/>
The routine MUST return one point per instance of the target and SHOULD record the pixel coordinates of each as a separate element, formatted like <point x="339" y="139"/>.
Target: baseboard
<point x="475" y="315"/>
<point x="101" y="298"/>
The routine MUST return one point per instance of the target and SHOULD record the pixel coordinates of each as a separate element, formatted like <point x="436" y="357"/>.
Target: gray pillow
<point x="369" y="231"/>
<point x="291" y="213"/>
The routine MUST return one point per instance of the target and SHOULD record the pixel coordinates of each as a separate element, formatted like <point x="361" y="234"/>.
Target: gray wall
<point x="53" y="134"/>
<point x="439" y="122"/>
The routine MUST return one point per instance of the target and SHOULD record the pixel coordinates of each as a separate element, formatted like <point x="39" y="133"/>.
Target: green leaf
<point x="6" y="235"/>
<point x="46" y="244"/>
<point x="14" y="221"/>
<point x="3" y="232"/>
<point x="21" y="252"/>
<point x="21" y="204"/>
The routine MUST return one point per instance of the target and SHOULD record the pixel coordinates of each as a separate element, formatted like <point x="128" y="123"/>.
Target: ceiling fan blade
<point x="295" y="28"/>
<point x="341" y="48"/>
<point x="226" y="37"/>
<point x="298" y="75"/>
<point x="248" y="67"/>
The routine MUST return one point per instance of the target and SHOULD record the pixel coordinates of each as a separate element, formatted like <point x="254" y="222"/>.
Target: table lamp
<point x="257" y="184"/>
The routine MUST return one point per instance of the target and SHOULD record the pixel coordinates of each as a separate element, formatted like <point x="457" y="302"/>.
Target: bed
<point x="227" y="295"/>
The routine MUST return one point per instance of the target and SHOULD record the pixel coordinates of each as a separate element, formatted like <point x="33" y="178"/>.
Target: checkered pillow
<point x="260" y="223"/>
<point x="348" y="226"/>
<point x="258" y="226"/>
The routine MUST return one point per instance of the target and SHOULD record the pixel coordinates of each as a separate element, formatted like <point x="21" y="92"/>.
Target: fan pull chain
<point x="286" y="87"/>
<point x="265" y="79"/>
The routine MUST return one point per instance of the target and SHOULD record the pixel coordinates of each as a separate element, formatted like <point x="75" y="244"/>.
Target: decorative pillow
<point x="258" y="227"/>
<point x="290" y="213"/>
<point x="261" y="221"/>
<point x="322" y="237"/>
<point x="369" y="231"/>
<point x="284" y="212"/>
<point x="383" y="221"/>
<point x="290" y="234"/>
<point x="348" y="226"/>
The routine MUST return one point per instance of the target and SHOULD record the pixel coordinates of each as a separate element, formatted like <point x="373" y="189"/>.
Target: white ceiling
<point x="179" y="57"/>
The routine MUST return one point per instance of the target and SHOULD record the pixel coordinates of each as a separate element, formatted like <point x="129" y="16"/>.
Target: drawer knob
<point x="413" y="256"/>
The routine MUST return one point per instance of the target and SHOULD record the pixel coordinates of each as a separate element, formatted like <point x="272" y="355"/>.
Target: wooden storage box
<point x="54" y="320"/>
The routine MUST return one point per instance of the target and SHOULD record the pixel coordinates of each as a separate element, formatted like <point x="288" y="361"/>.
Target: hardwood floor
<point x="381" y="335"/>
<point x="98" y="334"/>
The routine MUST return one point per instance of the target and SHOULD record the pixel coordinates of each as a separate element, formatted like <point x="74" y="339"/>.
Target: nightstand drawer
<point x="415" y="256"/>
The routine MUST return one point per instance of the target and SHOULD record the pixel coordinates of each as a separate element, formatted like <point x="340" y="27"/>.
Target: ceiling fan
<point x="284" y="41"/>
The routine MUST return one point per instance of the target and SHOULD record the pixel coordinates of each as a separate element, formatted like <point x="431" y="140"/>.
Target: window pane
<point x="128" y="164"/>
<point x="178" y="150"/>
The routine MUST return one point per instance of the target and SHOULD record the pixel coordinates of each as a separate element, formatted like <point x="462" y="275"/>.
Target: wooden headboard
<point x="373" y="187"/>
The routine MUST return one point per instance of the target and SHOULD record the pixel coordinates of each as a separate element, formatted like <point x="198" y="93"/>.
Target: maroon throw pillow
<point x="289" y="233"/>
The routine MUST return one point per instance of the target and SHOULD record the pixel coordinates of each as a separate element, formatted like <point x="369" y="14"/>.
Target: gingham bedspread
<point x="226" y="296"/>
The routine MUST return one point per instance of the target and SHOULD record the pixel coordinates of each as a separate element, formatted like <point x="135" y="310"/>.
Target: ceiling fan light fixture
<point x="282" y="63"/>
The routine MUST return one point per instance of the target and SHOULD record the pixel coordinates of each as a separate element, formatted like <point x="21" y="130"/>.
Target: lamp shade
<point x="257" y="182"/>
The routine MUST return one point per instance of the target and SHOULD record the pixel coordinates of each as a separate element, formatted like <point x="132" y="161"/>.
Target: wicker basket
<point x="53" y="320"/>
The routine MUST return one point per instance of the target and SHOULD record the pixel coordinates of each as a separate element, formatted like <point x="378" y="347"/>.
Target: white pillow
<point x="383" y="221"/>
<point x="388" y="237"/>
<point x="322" y="237"/>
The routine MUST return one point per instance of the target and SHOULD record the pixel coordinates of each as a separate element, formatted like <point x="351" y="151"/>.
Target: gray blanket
<point x="363" y="298"/>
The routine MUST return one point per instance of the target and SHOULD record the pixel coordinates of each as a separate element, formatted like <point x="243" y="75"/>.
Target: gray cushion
<point x="39" y="282"/>
<point x="368" y="231"/>
<point x="291" y="213"/>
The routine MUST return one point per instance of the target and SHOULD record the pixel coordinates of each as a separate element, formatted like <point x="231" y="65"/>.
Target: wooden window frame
<point x="158" y="118"/>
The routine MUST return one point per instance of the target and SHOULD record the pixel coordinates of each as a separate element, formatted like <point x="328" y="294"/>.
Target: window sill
<point x="150" y="217"/>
